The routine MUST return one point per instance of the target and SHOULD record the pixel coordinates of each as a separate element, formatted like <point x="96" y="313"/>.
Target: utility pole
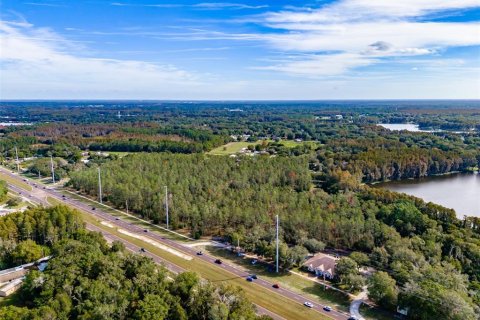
<point x="276" y="258"/>
<point x="166" y="206"/>
<point x="51" y="167"/>
<point x="99" y="186"/>
<point x="18" y="162"/>
<point x="126" y="204"/>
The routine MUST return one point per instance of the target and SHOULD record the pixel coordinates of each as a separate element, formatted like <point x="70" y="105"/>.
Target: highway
<point x="293" y="296"/>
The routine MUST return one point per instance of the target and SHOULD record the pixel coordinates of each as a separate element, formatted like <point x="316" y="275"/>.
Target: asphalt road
<point x="294" y="297"/>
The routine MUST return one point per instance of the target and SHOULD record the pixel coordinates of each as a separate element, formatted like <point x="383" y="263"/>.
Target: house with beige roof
<point x="322" y="265"/>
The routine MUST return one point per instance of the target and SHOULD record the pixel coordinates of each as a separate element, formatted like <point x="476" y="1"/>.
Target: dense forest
<point x="238" y="198"/>
<point x="350" y="141"/>
<point x="135" y="137"/>
<point x="427" y="260"/>
<point x="88" y="279"/>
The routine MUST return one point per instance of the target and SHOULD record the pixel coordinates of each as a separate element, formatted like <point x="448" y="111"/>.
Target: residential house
<point x="322" y="265"/>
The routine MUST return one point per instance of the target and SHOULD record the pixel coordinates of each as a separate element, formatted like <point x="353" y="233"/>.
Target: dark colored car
<point x="249" y="279"/>
<point x="93" y="208"/>
<point x="199" y="253"/>
<point x="145" y="230"/>
<point x="327" y="308"/>
<point x="143" y="250"/>
<point x="352" y="318"/>
<point x="218" y="261"/>
<point x="253" y="276"/>
<point x="276" y="286"/>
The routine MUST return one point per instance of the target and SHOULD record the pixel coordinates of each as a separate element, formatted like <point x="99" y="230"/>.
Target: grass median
<point x="15" y="182"/>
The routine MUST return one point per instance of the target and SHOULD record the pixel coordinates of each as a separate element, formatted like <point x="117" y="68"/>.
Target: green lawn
<point x="293" y="143"/>
<point x="235" y="147"/>
<point x="232" y="148"/>
<point x="15" y="182"/>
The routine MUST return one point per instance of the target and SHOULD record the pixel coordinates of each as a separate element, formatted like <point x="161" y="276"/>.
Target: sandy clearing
<point x="156" y="244"/>
<point x="205" y="243"/>
<point x="150" y="241"/>
<point x="105" y="223"/>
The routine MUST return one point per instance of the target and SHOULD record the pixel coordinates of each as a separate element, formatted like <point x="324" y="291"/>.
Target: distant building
<point x="12" y="273"/>
<point x="10" y="287"/>
<point x="322" y="265"/>
<point x="338" y="117"/>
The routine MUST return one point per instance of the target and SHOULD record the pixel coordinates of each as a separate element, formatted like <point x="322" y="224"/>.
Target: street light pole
<point x="166" y="206"/>
<point x="99" y="186"/>
<point x="276" y="258"/>
<point x="53" y="171"/>
<point x="18" y="162"/>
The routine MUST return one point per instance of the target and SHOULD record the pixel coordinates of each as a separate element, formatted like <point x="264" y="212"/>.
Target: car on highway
<point x="249" y="279"/>
<point x="199" y="253"/>
<point x="352" y="318"/>
<point x="93" y="208"/>
<point x="218" y="261"/>
<point x="308" y="304"/>
<point x="276" y="286"/>
<point x="143" y="250"/>
<point x="145" y="230"/>
<point x="254" y="276"/>
<point x="327" y="308"/>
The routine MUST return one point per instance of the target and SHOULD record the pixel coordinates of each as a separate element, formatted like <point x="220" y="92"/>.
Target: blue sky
<point x="343" y="49"/>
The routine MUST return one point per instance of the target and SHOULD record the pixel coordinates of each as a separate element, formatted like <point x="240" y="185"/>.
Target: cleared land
<point x="235" y="147"/>
<point x="232" y="148"/>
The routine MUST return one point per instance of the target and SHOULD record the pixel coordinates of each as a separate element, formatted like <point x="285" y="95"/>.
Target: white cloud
<point x="36" y="61"/>
<point x="365" y="31"/>
<point x="202" y="5"/>
<point x="322" y="65"/>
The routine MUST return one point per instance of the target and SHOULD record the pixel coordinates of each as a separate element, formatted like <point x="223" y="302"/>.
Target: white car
<point x="308" y="304"/>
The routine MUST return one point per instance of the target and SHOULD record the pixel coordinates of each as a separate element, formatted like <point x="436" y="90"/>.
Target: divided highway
<point x="294" y="297"/>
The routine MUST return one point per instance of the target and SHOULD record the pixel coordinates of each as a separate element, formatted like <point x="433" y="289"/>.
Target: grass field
<point x="232" y="148"/>
<point x="293" y="144"/>
<point x="235" y="147"/>
<point x="15" y="182"/>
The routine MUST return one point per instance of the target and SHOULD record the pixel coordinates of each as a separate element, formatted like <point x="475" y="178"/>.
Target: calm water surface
<point x="460" y="192"/>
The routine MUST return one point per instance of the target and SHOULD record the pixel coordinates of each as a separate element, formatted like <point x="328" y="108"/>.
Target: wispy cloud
<point x="39" y="60"/>
<point x="226" y="5"/>
<point x="358" y="33"/>
<point x="200" y="6"/>
<point x="44" y="4"/>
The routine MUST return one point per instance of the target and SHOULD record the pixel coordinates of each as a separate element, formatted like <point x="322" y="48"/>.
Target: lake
<point x="404" y="126"/>
<point x="460" y="192"/>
